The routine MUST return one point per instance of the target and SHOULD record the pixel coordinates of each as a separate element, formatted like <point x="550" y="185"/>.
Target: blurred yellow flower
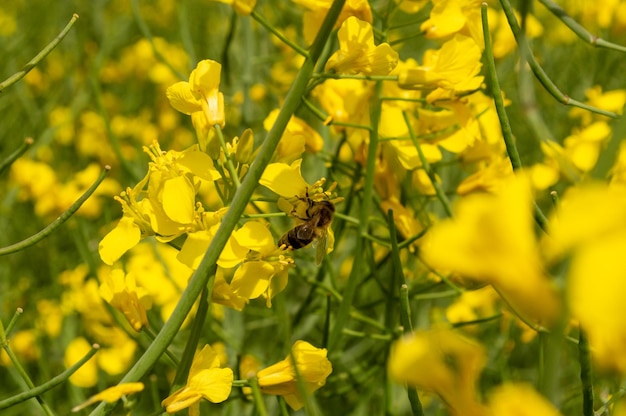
<point x="517" y="399"/>
<point x="206" y="380"/>
<point x="111" y="395"/>
<point x="317" y="10"/>
<point x="280" y="379"/>
<point x="121" y="292"/>
<point x="242" y="7"/>
<point x="491" y="240"/>
<point x="443" y="362"/>
<point x="357" y="53"/>
<point x="450" y="70"/>
<point x="87" y="375"/>
<point x="590" y="228"/>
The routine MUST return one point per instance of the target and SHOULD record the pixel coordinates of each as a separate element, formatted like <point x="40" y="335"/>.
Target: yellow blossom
<point x="280" y="379"/>
<point x="111" y="395"/>
<point x="590" y="228"/>
<point x="357" y="53"/>
<point x="491" y="240"/>
<point x="517" y="399"/>
<point x="451" y="70"/>
<point x="87" y="375"/>
<point x="449" y="17"/>
<point x="121" y="292"/>
<point x="443" y="362"/>
<point x="317" y="10"/>
<point x="200" y="98"/>
<point x="283" y="179"/>
<point x="242" y="7"/>
<point x="206" y="380"/>
<point x="298" y="131"/>
<point x="613" y="100"/>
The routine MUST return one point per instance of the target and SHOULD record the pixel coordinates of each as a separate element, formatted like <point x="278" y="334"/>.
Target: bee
<point x="314" y="229"/>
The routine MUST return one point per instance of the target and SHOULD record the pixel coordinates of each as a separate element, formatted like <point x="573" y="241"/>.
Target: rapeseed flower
<point x="491" y="240"/>
<point x="121" y="292"/>
<point x="357" y="53"/>
<point x="443" y="362"/>
<point x="282" y="378"/>
<point x="111" y="395"/>
<point x="317" y="10"/>
<point x="449" y="17"/>
<point x="448" y="71"/>
<point x="206" y="380"/>
<point x="201" y="99"/>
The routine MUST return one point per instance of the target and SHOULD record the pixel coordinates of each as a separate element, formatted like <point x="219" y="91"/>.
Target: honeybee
<point x="314" y="229"/>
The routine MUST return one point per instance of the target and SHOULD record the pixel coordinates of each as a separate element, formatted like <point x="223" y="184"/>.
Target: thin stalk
<point x="328" y="75"/>
<point x="145" y="30"/>
<point x="202" y="277"/>
<point x="259" y="18"/>
<point x="441" y="195"/>
<point x="229" y="161"/>
<point x="507" y="133"/>
<point x="257" y="397"/>
<point x="584" y="357"/>
<point x="537" y="69"/>
<point x="39" y="57"/>
<point x="50" y="384"/>
<point x="28" y="142"/>
<point x="368" y="188"/>
<point x="9" y="328"/>
<point x="34" y="239"/>
<point x="578" y="29"/>
<point x="26" y="378"/>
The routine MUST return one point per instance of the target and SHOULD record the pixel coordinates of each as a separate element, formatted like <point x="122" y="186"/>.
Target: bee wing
<point x="320" y="248"/>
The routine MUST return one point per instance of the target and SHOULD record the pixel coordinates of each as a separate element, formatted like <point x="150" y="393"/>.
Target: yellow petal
<point x="251" y="279"/>
<point x="119" y="240"/>
<point x="283" y="179"/>
<point x="182" y="99"/>
<point x="179" y="200"/>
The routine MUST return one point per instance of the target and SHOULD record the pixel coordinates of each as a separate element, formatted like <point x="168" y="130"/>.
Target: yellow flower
<point x="517" y="399"/>
<point x="206" y="380"/>
<point x="283" y="179"/>
<point x="121" y="292"/>
<point x="451" y="70"/>
<point x="162" y="203"/>
<point x="242" y="7"/>
<point x="357" y="53"/>
<point x="87" y="375"/>
<point x="590" y="226"/>
<point x="200" y="98"/>
<point x="298" y="136"/>
<point x="449" y="17"/>
<point x="491" y="240"/>
<point x="111" y="395"/>
<point x="280" y="379"/>
<point x="443" y="362"/>
<point x="613" y="100"/>
<point x="264" y="268"/>
<point x="317" y="10"/>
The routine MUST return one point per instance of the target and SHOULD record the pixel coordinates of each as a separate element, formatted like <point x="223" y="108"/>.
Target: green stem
<point x="578" y="29"/>
<point x="257" y="397"/>
<point x="44" y="52"/>
<point x="34" y="239"/>
<point x="28" y="142"/>
<point x="9" y="328"/>
<point x="507" y="133"/>
<point x="145" y="30"/>
<point x="536" y="68"/>
<point x="202" y="277"/>
<point x="259" y="18"/>
<point x="53" y="382"/>
<point x="584" y="358"/>
<point x="368" y="189"/>
<point x="229" y="162"/>
<point x="441" y="195"/>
